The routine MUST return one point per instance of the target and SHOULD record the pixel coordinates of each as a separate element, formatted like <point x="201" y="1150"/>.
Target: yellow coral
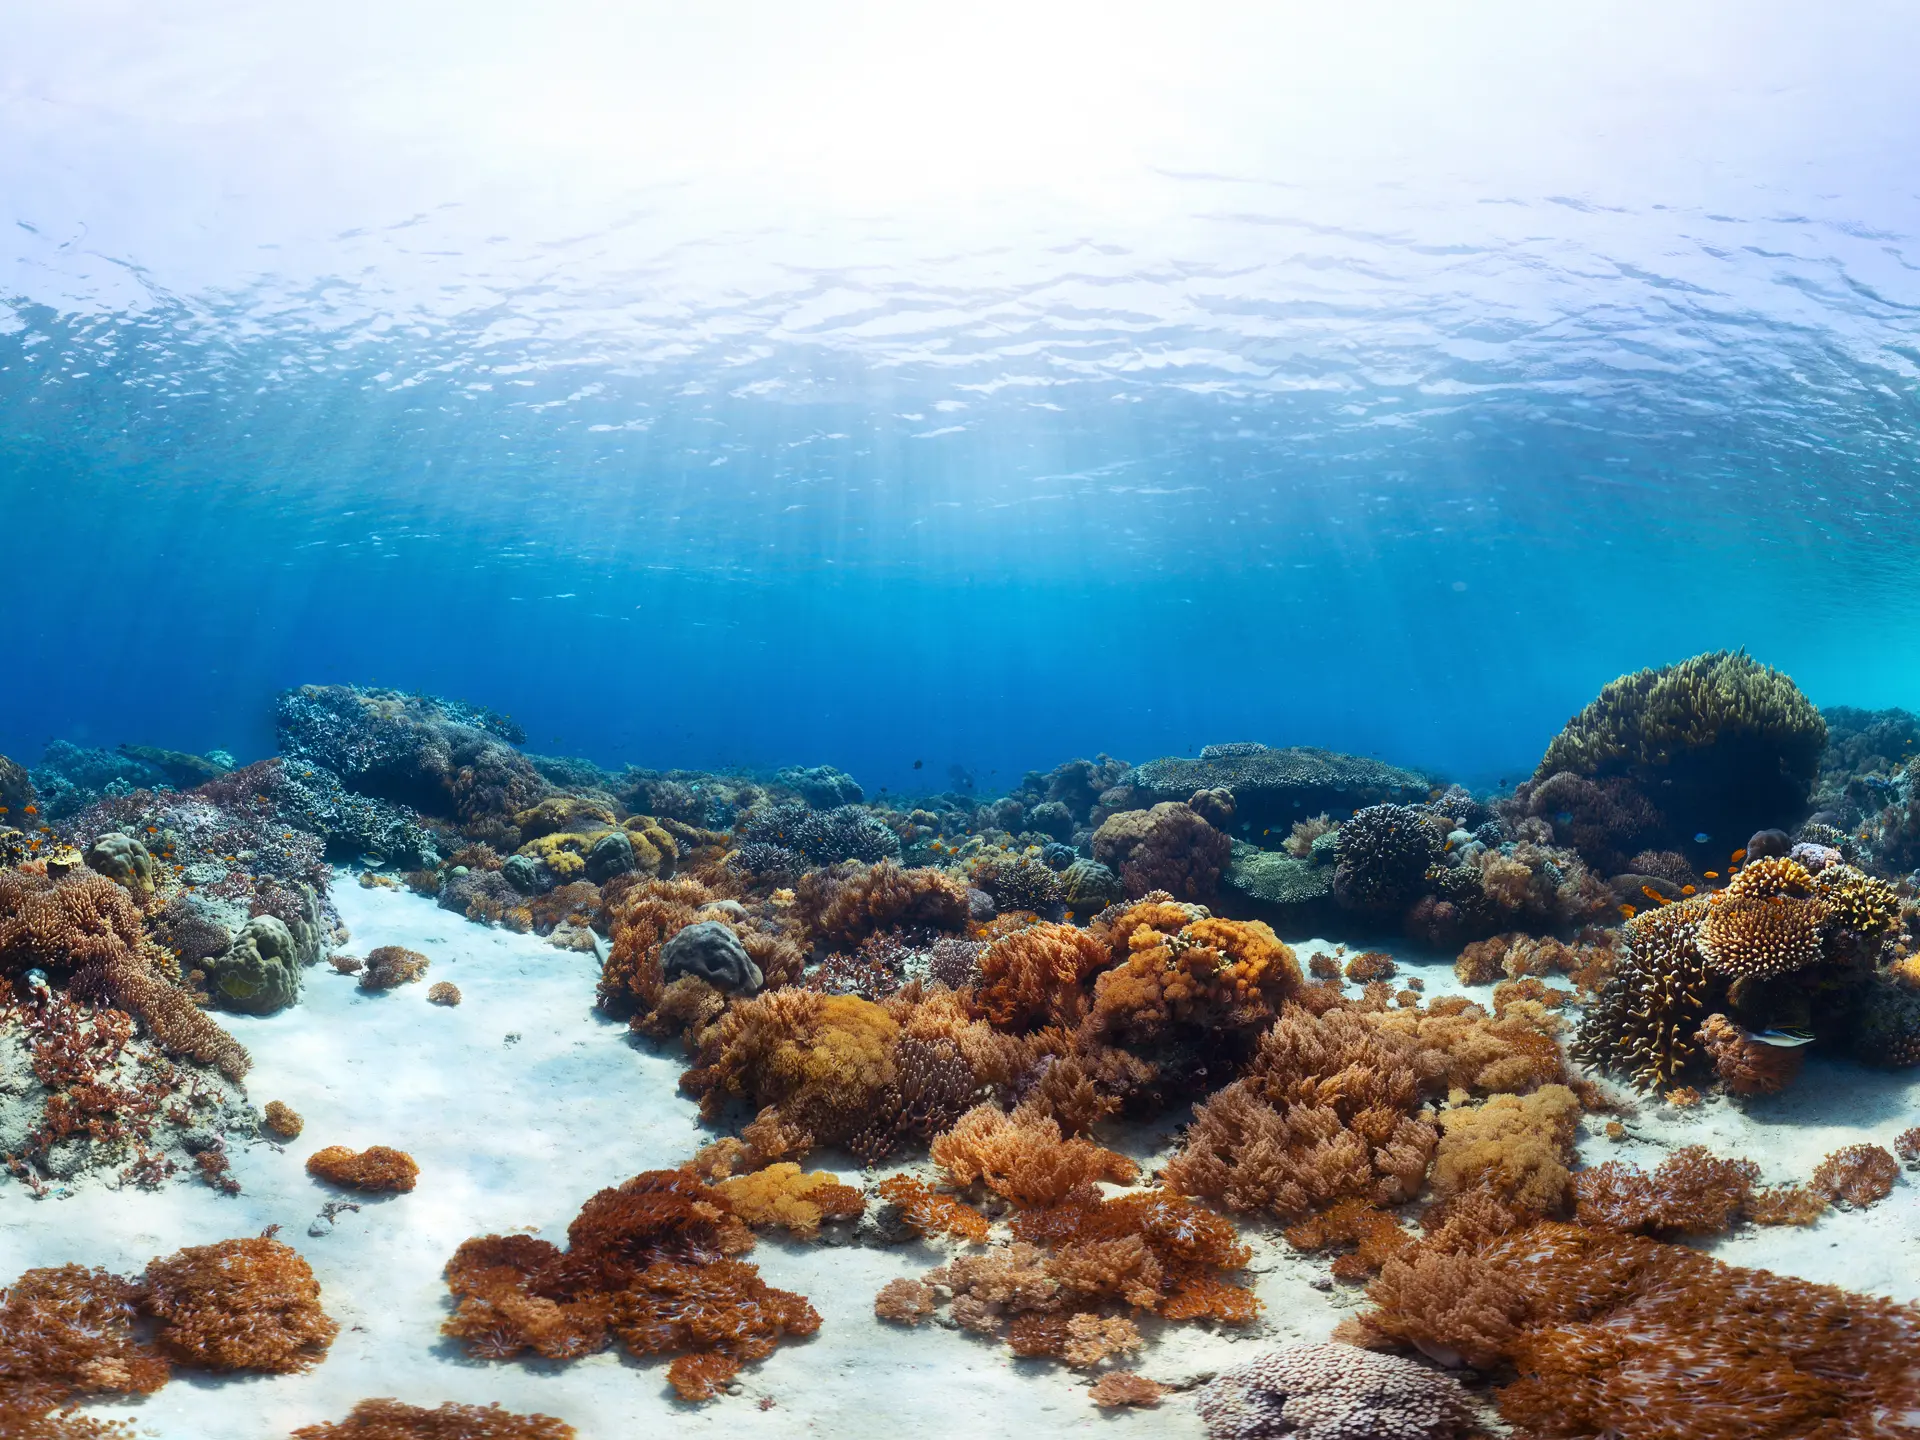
<point x="793" y="1199"/>
<point x="1518" y="1146"/>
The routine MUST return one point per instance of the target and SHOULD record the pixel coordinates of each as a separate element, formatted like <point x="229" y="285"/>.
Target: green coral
<point x="1275" y="878"/>
<point x="1651" y="717"/>
<point x="259" y="972"/>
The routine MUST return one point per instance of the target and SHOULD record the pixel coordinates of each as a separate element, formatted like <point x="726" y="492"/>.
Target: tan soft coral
<point x="1168" y="847"/>
<point x="392" y="1420"/>
<point x="1191" y="972"/>
<point x="797" y="1201"/>
<point x="393" y="965"/>
<point x="816" y="1066"/>
<point x="1038" y="976"/>
<point x="1518" y="1146"/>
<point x="68" y="1333"/>
<point x="377" y="1168"/>
<point x="928" y="1212"/>
<point x="1024" y="1157"/>
<point x="843" y="904"/>
<point x="239" y="1305"/>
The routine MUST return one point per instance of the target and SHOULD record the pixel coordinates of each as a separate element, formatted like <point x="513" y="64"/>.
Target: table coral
<point x="392" y="1420"/>
<point x="389" y="966"/>
<point x="646" y="1264"/>
<point x="239" y="1305"/>
<point x="377" y="1168"/>
<point x="1169" y="847"/>
<point x="1334" y="1392"/>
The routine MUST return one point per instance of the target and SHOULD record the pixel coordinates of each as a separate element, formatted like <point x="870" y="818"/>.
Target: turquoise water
<point x="875" y="388"/>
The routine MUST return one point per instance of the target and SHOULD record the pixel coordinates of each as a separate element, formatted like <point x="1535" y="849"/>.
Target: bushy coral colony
<point x="1705" y="881"/>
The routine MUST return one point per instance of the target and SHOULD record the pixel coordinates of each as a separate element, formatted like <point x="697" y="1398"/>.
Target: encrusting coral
<point x="387" y="1419"/>
<point x="377" y="1168"/>
<point x="648" y="1263"/>
<point x="1334" y="1392"/>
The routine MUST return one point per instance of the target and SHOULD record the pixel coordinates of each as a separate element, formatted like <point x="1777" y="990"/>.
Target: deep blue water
<point x="851" y="387"/>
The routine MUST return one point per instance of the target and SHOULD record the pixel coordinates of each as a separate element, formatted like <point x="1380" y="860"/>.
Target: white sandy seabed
<point x="522" y="1101"/>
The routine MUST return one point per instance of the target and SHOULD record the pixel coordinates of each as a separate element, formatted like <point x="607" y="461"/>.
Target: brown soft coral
<point x="1516" y="1145"/>
<point x="1123" y="1387"/>
<point x="842" y="905"/>
<point x="393" y="1420"/>
<point x="647" y="1264"/>
<point x="1375" y="1235"/>
<point x="67" y="1333"/>
<point x="1038" y="976"/>
<point x="1197" y="973"/>
<point x="393" y="965"/>
<point x="928" y="1212"/>
<point x="1692" y="1192"/>
<point x="1856" y="1175"/>
<point x="784" y="1195"/>
<point x="1024" y="1157"/>
<point x="817" y="1066"/>
<point x="282" y="1120"/>
<point x="904" y="1302"/>
<point x="1745" y="1065"/>
<point x="239" y="1305"/>
<point x="1166" y="848"/>
<point x="374" y="1169"/>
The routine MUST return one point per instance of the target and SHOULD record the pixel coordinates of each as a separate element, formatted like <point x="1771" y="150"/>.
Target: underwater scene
<point x="1052" y="719"/>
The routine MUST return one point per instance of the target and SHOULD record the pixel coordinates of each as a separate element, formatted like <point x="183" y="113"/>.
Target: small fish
<point x="1627" y="912"/>
<point x="1686" y="890"/>
<point x="1702" y="838"/>
<point x="918" y="764"/>
<point x="31" y="810"/>
<point x="1713" y="874"/>
<point x="1784" y="1037"/>
<point x="1736" y="857"/>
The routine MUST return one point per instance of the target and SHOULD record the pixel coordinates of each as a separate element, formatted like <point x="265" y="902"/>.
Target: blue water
<point x="875" y="387"/>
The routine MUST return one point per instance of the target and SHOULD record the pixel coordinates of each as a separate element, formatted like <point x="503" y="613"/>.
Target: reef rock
<point x="1273" y="788"/>
<point x="525" y="874"/>
<point x="16" y="789"/>
<point x="710" y="950"/>
<point x="260" y="971"/>
<point x="123" y="860"/>
<point x="178" y="766"/>
<point x="611" y="855"/>
<point x="822" y="786"/>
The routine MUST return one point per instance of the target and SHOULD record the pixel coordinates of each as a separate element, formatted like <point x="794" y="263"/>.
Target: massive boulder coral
<point x="1168" y="847"/>
<point x="1334" y="1392"/>
<point x="1384" y="852"/>
<point x="259" y="971"/>
<point x="1727" y="745"/>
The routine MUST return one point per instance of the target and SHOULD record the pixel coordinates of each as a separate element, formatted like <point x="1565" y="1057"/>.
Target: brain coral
<point x="1384" y="852"/>
<point x="1334" y="1392"/>
<point x="1166" y="848"/>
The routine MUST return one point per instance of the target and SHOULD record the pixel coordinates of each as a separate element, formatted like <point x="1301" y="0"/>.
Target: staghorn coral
<point x="374" y="1169"/>
<point x="842" y="905"/>
<point x="783" y="1195"/>
<point x="1745" y="1065"/>
<point x="1692" y="1192"/>
<point x="239" y="1305"/>
<point x="1856" y="1176"/>
<point x="392" y="1420"/>
<point x="1169" y="847"/>
<point x="1598" y="1325"/>
<point x="1037" y="977"/>
<point x="646" y="1264"/>
<point x="1334" y="1392"/>
<point x="1383" y="855"/>
<point x="904" y="1302"/>
<point x="1516" y="1146"/>
<point x="443" y="992"/>
<point x="1123" y="1387"/>
<point x="1024" y="1157"/>
<point x="389" y="966"/>
<point x="816" y="1066"/>
<point x="281" y="1120"/>
<point x="928" y="1212"/>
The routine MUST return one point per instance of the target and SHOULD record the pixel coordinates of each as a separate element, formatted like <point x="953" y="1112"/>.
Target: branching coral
<point x="376" y="1168"/>
<point x="1765" y="923"/>
<point x="1644" y="1022"/>
<point x="1024" y="1157"/>
<point x="393" y="1420"/>
<point x="389" y="966"/>
<point x="1168" y="847"/>
<point x="239" y="1305"/>
<point x="1334" y="1392"/>
<point x="784" y="1195"/>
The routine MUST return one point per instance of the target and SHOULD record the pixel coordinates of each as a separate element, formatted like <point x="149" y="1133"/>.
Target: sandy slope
<point x="518" y="1131"/>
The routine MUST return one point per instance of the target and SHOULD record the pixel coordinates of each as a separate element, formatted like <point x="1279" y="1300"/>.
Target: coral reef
<point x="1274" y="787"/>
<point x="239" y="1305"/>
<point x="377" y="1168"/>
<point x="648" y="1263"/>
<point x="1169" y="847"/>
<point x="1334" y="1392"/>
<point x="387" y="1419"/>
<point x="842" y="905"/>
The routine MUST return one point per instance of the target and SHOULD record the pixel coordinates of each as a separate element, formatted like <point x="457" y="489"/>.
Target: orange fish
<point x="1654" y="895"/>
<point x="1628" y="912"/>
<point x="31" y="810"/>
<point x="1686" y="890"/>
<point x="1737" y="856"/>
<point x="1713" y="874"/>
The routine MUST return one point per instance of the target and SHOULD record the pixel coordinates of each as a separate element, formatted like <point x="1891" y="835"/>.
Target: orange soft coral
<point x="1745" y="1065"/>
<point x="239" y="1305"/>
<point x="68" y="1333"/>
<point x="784" y="1195"/>
<point x="842" y="905"/>
<point x="646" y="1264"/>
<point x="1038" y="976"/>
<point x="928" y="1212"/>
<point x="1024" y="1157"/>
<point x="1222" y="977"/>
<point x="1856" y="1175"/>
<point x="376" y="1168"/>
<point x="282" y="1121"/>
<point x="392" y="1420"/>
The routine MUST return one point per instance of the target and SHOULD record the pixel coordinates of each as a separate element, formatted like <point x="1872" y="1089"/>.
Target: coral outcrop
<point x="1168" y="847"/>
<point x="1334" y="1392"/>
